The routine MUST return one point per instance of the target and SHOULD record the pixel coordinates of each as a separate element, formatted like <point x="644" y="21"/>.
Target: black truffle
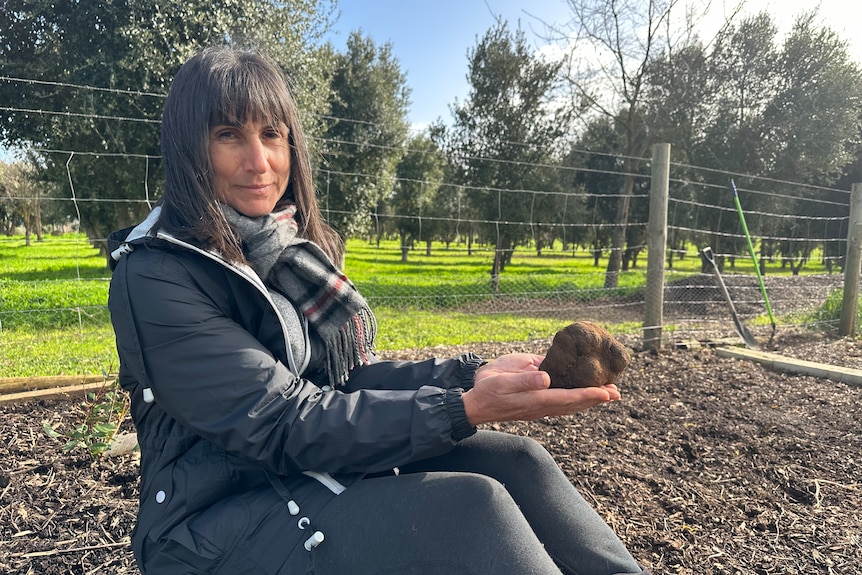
<point x="584" y="354"/>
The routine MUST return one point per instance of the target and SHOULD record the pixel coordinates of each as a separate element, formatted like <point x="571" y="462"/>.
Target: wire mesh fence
<point x="79" y="337"/>
<point x="556" y="272"/>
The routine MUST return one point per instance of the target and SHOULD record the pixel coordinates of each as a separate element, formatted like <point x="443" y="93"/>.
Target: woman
<point x="272" y="439"/>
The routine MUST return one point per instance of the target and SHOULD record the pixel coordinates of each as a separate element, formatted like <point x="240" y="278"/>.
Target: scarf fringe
<point x="350" y="347"/>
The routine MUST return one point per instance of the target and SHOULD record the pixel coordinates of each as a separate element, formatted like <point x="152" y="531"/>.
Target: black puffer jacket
<point x="221" y="406"/>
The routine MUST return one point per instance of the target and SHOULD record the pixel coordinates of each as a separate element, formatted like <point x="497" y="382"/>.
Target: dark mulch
<point x="707" y="466"/>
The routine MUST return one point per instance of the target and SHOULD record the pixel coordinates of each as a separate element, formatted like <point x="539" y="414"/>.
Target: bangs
<point x="250" y="92"/>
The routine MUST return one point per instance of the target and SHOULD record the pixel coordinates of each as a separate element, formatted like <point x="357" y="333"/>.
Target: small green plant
<point x="829" y="312"/>
<point x="104" y="412"/>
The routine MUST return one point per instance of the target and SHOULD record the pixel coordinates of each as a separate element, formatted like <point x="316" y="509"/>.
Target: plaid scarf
<point x="300" y="270"/>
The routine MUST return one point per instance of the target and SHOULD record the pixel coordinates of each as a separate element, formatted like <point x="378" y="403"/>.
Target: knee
<point x="480" y="499"/>
<point x="478" y="488"/>
<point x="528" y="451"/>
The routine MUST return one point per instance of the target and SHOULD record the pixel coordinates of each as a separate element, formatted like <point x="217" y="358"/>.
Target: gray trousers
<point x="497" y="504"/>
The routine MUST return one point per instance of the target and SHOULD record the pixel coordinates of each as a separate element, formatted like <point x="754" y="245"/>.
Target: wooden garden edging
<point x="846" y="375"/>
<point x="20" y="389"/>
<point x="14" y="389"/>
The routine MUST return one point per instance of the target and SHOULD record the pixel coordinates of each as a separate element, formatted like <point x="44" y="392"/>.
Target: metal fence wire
<point x="693" y="307"/>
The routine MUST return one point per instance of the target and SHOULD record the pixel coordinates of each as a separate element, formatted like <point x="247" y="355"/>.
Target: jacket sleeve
<point x="211" y="375"/>
<point x="457" y="372"/>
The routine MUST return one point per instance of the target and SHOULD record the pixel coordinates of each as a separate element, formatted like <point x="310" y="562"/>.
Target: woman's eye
<point x="223" y="132"/>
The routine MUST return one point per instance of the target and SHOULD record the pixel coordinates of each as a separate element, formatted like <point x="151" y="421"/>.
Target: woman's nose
<point x="256" y="159"/>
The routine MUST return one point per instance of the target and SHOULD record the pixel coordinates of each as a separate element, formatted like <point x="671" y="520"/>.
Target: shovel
<point x="737" y="323"/>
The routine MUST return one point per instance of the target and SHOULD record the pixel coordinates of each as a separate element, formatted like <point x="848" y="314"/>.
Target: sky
<point x="431" y="38"/>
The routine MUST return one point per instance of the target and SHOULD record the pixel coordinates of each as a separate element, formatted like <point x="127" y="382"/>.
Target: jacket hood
<point x="143" y="230"/>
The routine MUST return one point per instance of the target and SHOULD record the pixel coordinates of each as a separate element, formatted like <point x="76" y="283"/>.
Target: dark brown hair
<point x="223" y="85"/>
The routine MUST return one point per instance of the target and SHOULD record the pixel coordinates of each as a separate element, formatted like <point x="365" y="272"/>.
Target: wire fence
<point x="562" y="281"/>
<point x="558" y="271"/>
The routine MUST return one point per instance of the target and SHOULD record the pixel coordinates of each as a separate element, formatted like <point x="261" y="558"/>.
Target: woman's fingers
<point x="571" y="401"/>
<point x="525" y="396"/>
<point x="511" y="363"/>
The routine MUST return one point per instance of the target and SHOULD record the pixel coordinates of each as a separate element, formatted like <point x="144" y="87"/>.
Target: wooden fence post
<point x="852" y="265"/>
<point x="656" y="247"/>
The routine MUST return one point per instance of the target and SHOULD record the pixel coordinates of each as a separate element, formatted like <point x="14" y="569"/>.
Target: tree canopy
<point x="82" y="85"/>
<point x="365" y="133"/>
<point x="506" y="136"/>
<point x="87" y="81"/>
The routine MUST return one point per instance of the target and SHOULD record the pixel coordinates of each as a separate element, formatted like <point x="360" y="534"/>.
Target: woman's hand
<point x="511" y="388"/>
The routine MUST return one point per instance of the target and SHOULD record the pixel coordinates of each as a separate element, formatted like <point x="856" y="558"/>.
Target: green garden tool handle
<point x="751" y="251"/>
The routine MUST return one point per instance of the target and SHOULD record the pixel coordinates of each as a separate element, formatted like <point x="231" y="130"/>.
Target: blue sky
<point x="431" y="38"/>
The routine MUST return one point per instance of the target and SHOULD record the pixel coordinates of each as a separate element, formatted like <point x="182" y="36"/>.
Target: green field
<point x="53" y="298"/>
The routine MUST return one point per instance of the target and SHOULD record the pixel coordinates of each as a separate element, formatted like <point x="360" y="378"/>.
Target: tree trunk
<point x="796" y="268"/>
<point x="619" y="236"/>
<point x="495" y="272"/>
<point x="28" y="225"/>
<point x="37" y="220"/>
<point x="405" y="248"/>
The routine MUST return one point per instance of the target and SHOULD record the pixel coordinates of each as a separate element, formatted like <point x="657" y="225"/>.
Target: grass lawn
<point x="53" y="295"/>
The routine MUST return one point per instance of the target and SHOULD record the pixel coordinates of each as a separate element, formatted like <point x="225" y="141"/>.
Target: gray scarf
<point x="300" y="270"/>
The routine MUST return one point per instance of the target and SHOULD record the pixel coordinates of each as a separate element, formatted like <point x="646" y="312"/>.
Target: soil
<point x="707" y="466"/>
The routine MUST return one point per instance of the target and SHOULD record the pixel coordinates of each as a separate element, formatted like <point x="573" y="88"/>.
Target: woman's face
<point x="251" y="165"/>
